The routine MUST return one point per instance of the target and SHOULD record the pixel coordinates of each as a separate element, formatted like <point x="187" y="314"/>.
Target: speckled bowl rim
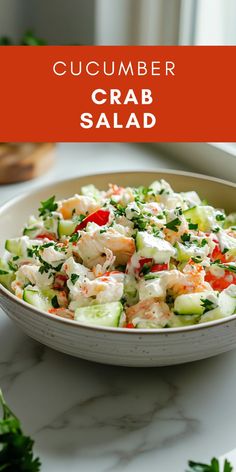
<point x="160" y="331"/>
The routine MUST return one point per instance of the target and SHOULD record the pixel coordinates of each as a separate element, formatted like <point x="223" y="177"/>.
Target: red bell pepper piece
<point x="159" y="267"/>
<point x="130" y="325"/>
<point x="100" y="217"/>
<point x="220" y="283"/>
<point x="49" y="236"/>
<point x="217" y="254"/>
<point x="143" y="261"/>
<point x="60" y="281"/>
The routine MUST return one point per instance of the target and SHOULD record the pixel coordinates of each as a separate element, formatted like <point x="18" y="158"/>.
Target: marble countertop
<point x="87" y="417"/>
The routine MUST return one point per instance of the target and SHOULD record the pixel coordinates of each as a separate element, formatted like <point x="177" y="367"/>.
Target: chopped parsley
<point x="220" y="217"/>
<point x="3" y="272"/>
<point x="44" y="246"/>
<point x="12" y="266"/>
<point x="196" y="259"/>
<point x="193" y="226"/>
<point x="47" y="206"/>
<point x="74" y="238"/>
<point x="229" y="267"/>
<point x="174" y="224"/>
<point x="186" y="237"/>
<point x="207" y="304"/>
<point x="54" y="302"/>
<point x="74" y="278"/>
<point x="226" y="249"/>
<point x="78" y="218"/>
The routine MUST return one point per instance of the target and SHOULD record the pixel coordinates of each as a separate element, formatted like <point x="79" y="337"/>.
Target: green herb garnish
<point x="174" y="224"/>
<point x="193" y="226"/>
<point x="12" y="267"/>
<point x="74" y="238"/>
<point x="48" y="206"/>
<point x="74" y="278"/>
<point x="220" y="217"/>
<point x="54" y="302"/>
<point x="214" y="466"/>
<point x="229" y="267"/>
<point x="16" y="449"/>
<point x="185" y="237"/>
<point x="207" y="304"/>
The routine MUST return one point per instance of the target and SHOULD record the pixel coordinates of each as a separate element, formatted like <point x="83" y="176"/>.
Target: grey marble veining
<point x="88" y="417"/>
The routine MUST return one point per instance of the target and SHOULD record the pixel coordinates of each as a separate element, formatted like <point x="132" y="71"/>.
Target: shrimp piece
<point x="150" y="309"/>
<point x="79" y="204"/>
<point x="92" y="246"/>
<point x="120" y="194"/>
<point x="106" y="289"/>
<point x="62" y="313"/>
<point x="99" y="269"/>
<point x="192" y="280"/>
<point x="173" y="236"/>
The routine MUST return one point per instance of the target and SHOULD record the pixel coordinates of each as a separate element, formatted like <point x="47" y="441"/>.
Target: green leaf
<point x="48" y="206"/>
<point x="229" y="267"/>
<point x="74" y="238"/>
<point x="227" y="466"/>
<point x="193" y="226"/>
<point x="16" y="449"/>
<point x="207" y="304"/>
<point x="74" y="278"/>
<point x="29" y="39"/>
<point x="54" y="302"/>
<point x="174" y="224"/>
<point x="5" y="41"/>
<point x="214" y="466"/>
<point x="185" y="237"/>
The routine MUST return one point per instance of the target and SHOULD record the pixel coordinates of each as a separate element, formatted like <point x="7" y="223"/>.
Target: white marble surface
<point x="92" y="418"/>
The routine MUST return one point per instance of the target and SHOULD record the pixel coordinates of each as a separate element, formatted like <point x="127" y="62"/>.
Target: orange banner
<point x="118" y="93"/>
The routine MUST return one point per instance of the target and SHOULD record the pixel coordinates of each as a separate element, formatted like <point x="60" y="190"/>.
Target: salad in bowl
<point x="128" y="257"/>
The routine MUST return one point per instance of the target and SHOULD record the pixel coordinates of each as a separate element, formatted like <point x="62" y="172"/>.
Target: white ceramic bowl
<point x="114" y="345"/>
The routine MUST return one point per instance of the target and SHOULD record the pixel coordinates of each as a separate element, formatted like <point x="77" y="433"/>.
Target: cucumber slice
<point x="32" y="232"/>
<point x="14" y="246"/>
<point x="193" y="303"/>
<point x="107" y="314"/>
<point x="6" y="275"/>
<point x="227" y="306"/>
<point x="227" y="243"/>
<point x="177" y="321"/>
<point x="34" y="297"/>
<point x="130" y="290"/>
<point x="153" y="247"/>
<point x="230" y="220"/>
<point x="203" y="216"/>
<point x="66" y="227"/>
<point x="184" y="253"/>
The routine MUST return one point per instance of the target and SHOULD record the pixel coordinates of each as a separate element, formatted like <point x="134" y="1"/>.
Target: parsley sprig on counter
<point x="16" y="449"/>
<point x="214" y="466"/>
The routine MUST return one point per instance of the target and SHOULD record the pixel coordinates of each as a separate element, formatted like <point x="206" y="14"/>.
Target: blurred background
<point x="120" y="22"/>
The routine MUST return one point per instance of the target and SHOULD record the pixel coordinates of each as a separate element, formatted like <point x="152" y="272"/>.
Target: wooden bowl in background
<point x="24" y="161"/>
